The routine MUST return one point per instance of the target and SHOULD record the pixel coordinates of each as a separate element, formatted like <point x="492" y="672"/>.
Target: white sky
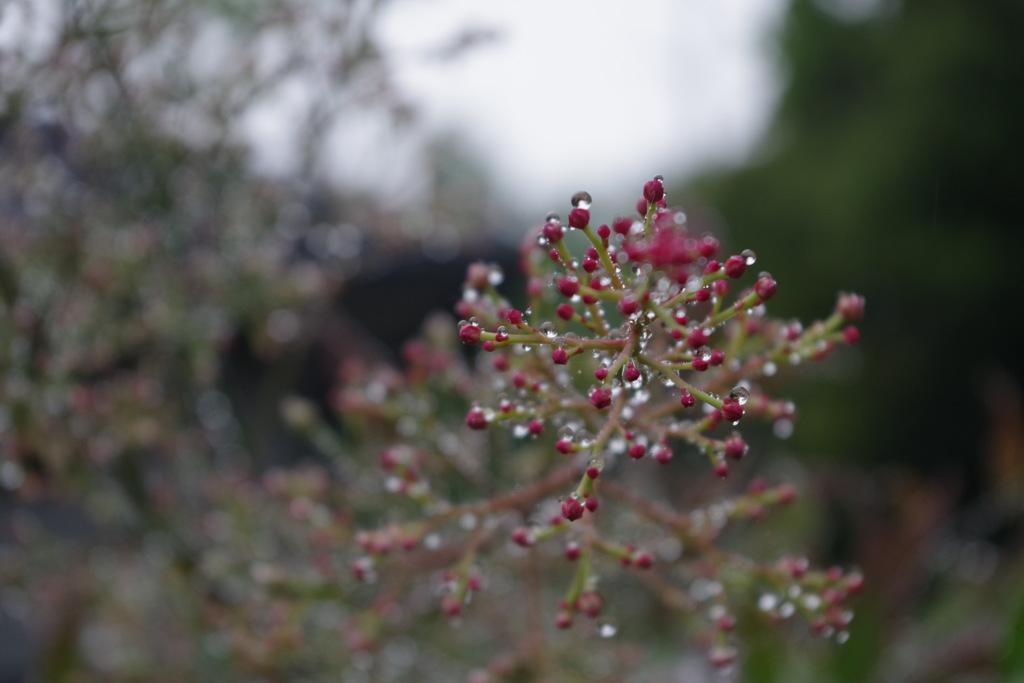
<point x="579" y="94"/>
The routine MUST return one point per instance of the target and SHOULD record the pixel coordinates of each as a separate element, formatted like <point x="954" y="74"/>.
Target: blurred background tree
<point x="891" y="169"/>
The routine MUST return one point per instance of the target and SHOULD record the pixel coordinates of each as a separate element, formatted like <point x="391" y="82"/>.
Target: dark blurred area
<point x="892" y="169"/>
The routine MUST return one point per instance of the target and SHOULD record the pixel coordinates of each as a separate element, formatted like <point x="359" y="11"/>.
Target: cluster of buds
<point x="639" y="345"/>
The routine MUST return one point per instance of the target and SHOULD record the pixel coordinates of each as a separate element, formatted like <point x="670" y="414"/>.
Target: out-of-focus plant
<point x="137" y="247"/>
<point x="635" y="354"/>
<point x="135" y="243"/>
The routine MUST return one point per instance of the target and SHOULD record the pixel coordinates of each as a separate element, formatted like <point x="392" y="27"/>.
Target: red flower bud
<point x="579" y="218"/>
<point x="765" y="288"/>
<point x="631" y="373"/>
<point x="654" y="190"/>
<point x="476" y="419"/>
<point x="470" y="335"/>
<point x="572" y="509"/>
<point x="735" y="266"/>
<point x="851" y="307"/>
<point x="731" y="410"/>
<point x="735" y="447"/>
<point x="552" y="232"/>
<point x="521" y="536"/>
<point x="601" y="397"/>
<point x="568" y="286"/>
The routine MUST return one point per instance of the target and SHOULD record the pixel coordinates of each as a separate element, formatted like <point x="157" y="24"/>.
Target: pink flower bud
<point x="552" y="232"/>
<point x="631" y="373"/>
<point x="572" y="509"/>
<point x="590" y="603"/>
<point x="851" y="307"/>
<point x="851" y="335"/>
<point x="560" y="356"/>
<point x="765" y="288"/>
<point x="643" y="559"/>
<point x="568" y="286"/>
<point x="579" y="218"/>
<point x="696" y="338"/>
<point x="601" y="397"/>
<point x="565" y="311"/>
<point x="654" y="191"/>
<point x="637" y="451"/>
<point x="521" y="536"/>
<point x="470" y="335"/>
<point x="628" y="306"/>
<point x="687" y="399"/>
<point x="735" y="448"/>
<point x="476" y="419"/>
<point x="731" y="410"/>
<point x="735" y="266"/>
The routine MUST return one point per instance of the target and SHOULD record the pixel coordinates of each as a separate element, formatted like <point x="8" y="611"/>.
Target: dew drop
<point x="769" y="369"/>
<point x="547" y="328"/>
<point x="566" y="433"/>
<point x="553" y="217"/>
<point x="432" y="541"/>
<point x="749" y="256"/>
<point x="607" y="629"/>
<point x="783" y="429"/>
<point x="640" y="397"/>
<point x="767" y="602"/>
<point x="581" y="200"/>
<point x="842" y="637"/>
<point x="811" y="601"/>
<point x="704" y="352"/>
<point x="584" y="438"/>
<point x="786" y="610"/>
<point x="740" y="394"/>
<point x="520" y="430"/>
<point x="495" y="276"/>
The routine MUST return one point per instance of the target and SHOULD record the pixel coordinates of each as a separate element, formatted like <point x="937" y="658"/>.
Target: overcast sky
<point x="580" y="94"/>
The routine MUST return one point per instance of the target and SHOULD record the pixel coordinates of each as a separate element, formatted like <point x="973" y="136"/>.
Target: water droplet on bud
<point x="553" y="218"/>
<point x="749" y="256"/>
<point x="581" y="200"/>
<point x="607" y="629"/>
<point x="740" y="394"/>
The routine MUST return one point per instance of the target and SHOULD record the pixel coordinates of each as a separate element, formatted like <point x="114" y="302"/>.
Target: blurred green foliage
<point x="892" y="169"/>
